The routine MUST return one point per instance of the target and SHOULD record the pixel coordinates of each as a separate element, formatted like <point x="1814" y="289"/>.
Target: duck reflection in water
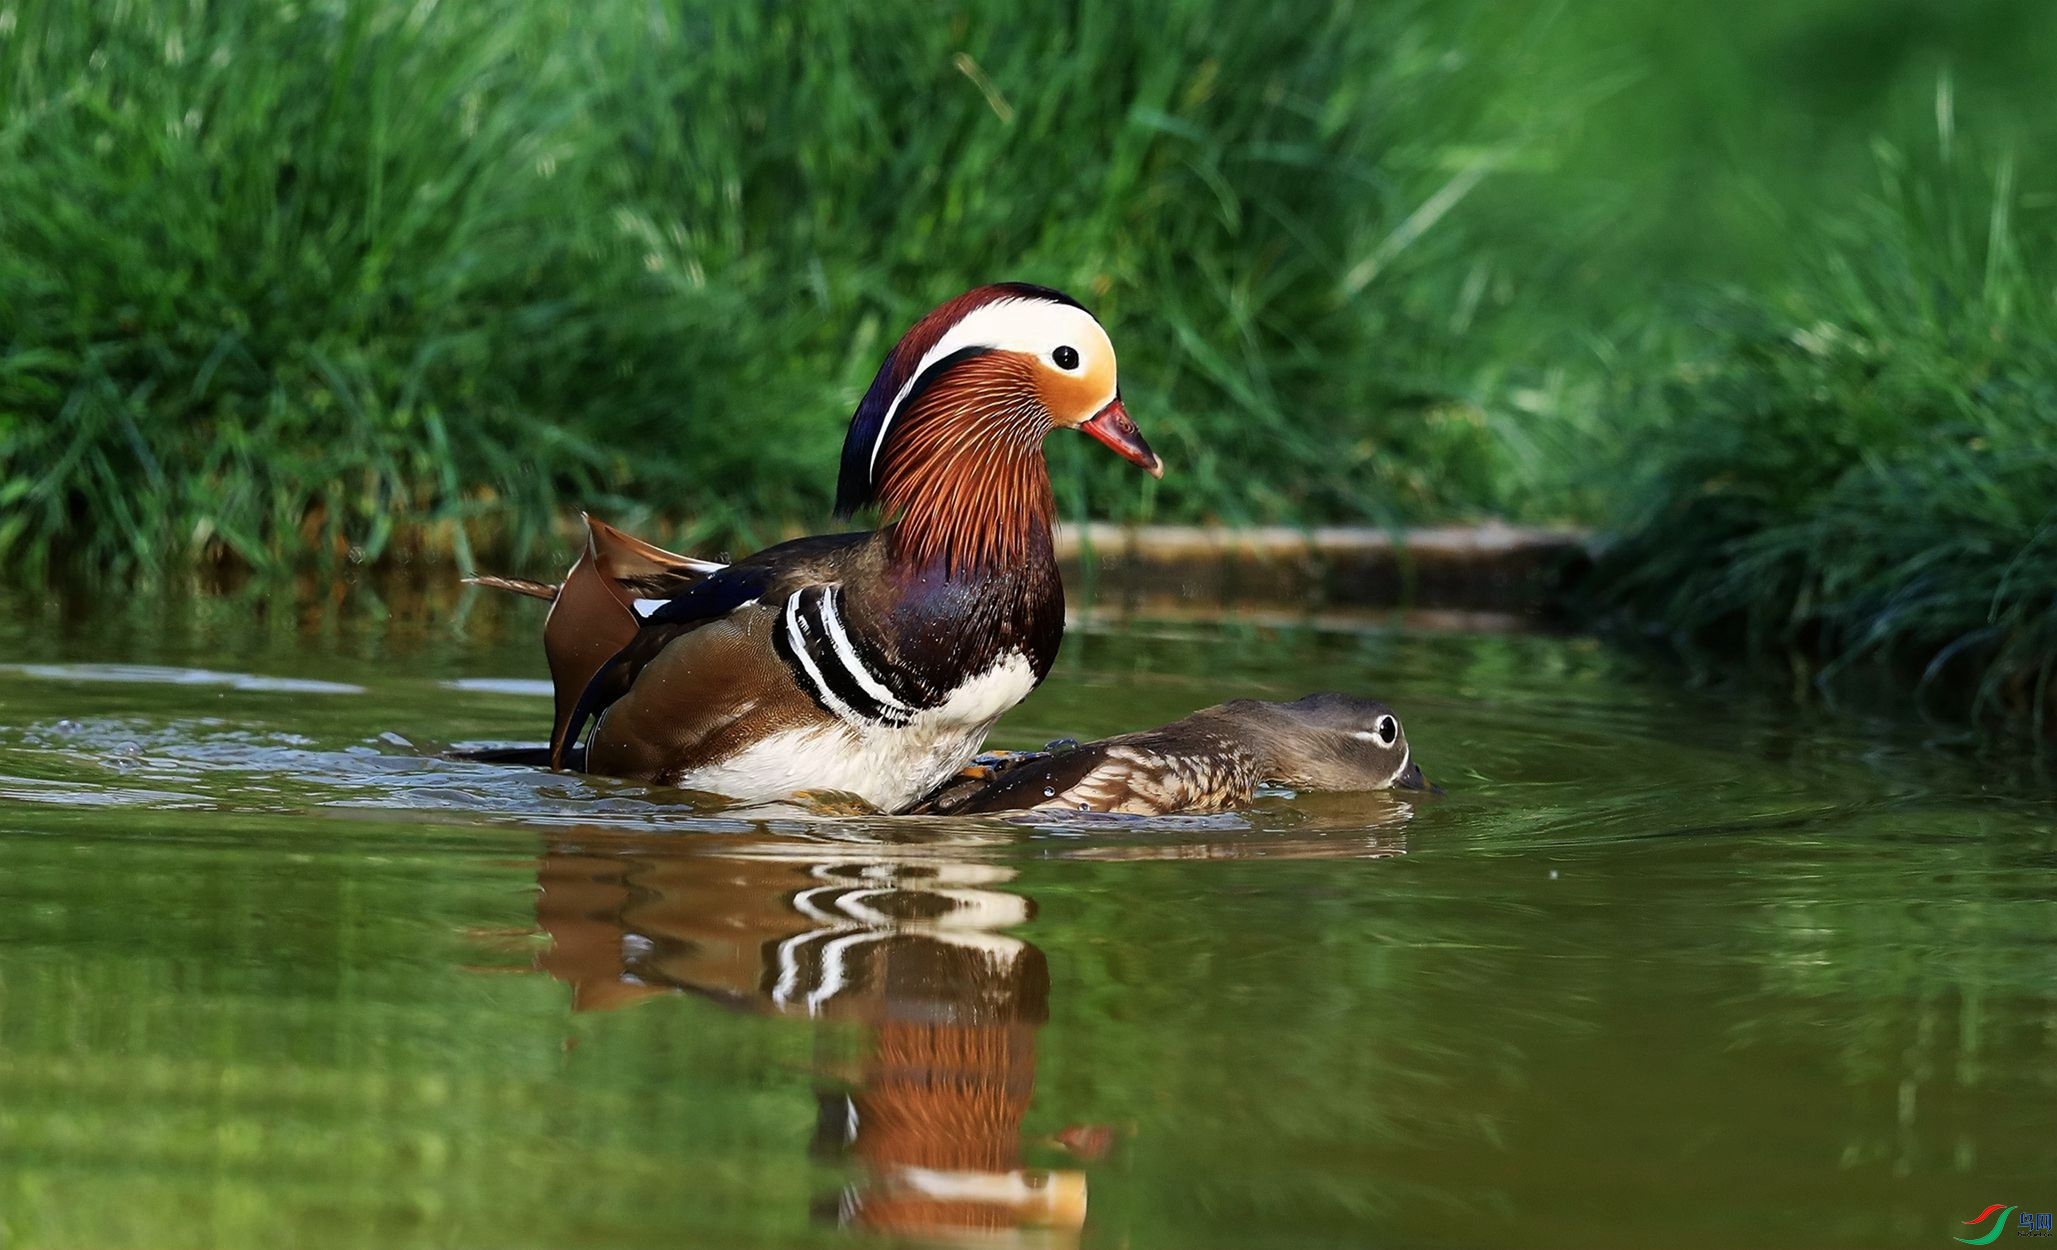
<point x="911" y="948"/>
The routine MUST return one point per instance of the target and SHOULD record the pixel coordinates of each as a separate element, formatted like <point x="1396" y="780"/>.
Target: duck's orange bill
<point x="1112" y="426"/>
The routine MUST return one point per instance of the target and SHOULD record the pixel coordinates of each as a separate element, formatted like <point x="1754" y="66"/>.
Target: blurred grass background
<point x="1764" y="290"/>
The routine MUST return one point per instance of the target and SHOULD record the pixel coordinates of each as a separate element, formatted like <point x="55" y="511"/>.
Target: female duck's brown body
<point x="867" y="663"/>
<point x="1212" y="761"/>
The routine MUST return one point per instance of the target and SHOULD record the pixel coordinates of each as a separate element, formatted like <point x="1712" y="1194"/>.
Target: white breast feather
<point x="888" y="767"/>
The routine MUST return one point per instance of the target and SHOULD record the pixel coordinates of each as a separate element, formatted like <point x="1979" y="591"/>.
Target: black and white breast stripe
<point x="830" y="665"/>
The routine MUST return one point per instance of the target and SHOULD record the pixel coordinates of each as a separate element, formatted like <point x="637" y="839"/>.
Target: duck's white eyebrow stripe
<point x="1013" y="323"/>
<point x="953" y="340"/>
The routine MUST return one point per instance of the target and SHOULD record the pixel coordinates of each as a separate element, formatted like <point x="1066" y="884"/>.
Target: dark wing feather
<point x="1029" y="784"/>
<point x="974" y="777"/>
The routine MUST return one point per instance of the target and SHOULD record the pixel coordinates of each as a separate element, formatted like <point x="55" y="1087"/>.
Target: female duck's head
<point x="949" y="436"/>
<point x="1328" y="742"/>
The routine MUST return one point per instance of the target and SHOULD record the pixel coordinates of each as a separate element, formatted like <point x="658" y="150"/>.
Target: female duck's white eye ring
<point x="1065" y="358"/>
<point x="1385" y="733"/>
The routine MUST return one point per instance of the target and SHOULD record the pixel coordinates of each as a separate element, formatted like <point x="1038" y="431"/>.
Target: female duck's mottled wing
<point x="1153" y="773"/>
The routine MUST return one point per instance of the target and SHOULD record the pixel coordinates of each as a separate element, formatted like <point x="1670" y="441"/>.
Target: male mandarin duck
<point x="1212" y="761"/>
<point x="868" y="663"/>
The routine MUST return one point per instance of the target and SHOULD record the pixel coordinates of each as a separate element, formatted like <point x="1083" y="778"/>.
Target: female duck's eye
<point x="1388" y="730"/>
<point x="1066" y="357"/>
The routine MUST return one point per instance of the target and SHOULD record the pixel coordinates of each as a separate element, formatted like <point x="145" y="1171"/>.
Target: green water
<point x="1665" y="967"/>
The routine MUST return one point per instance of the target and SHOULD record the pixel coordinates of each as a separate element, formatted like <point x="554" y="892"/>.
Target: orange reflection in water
<point x="911" y="945"/>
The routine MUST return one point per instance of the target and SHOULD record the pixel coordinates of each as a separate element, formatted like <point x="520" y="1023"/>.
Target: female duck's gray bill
<point x="1112" y="426"/>
<point x="1410" y="778"/>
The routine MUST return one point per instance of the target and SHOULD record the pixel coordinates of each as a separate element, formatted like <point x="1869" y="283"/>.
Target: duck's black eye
<point x="1388" y="730"/>
<point x="1066" y="357"/>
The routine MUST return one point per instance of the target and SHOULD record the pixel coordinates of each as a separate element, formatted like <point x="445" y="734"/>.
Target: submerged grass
<point x="353" y="279"/>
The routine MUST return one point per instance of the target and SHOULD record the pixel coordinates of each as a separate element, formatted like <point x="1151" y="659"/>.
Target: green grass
<point x="335" y="282"/>
<point x="1866" y="468"/>
<point x="292" y="279"/>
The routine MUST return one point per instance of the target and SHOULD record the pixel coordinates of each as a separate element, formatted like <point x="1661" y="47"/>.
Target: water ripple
<point x="164" y="675"/>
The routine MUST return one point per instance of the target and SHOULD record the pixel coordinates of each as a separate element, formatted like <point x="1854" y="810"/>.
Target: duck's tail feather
<point x="532" y="757"/>
<point x="534" y="589"/>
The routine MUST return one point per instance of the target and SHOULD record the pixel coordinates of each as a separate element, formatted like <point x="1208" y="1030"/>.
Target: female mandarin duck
<point x="1212" y="761"/>
<point x="867" y="663"/>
